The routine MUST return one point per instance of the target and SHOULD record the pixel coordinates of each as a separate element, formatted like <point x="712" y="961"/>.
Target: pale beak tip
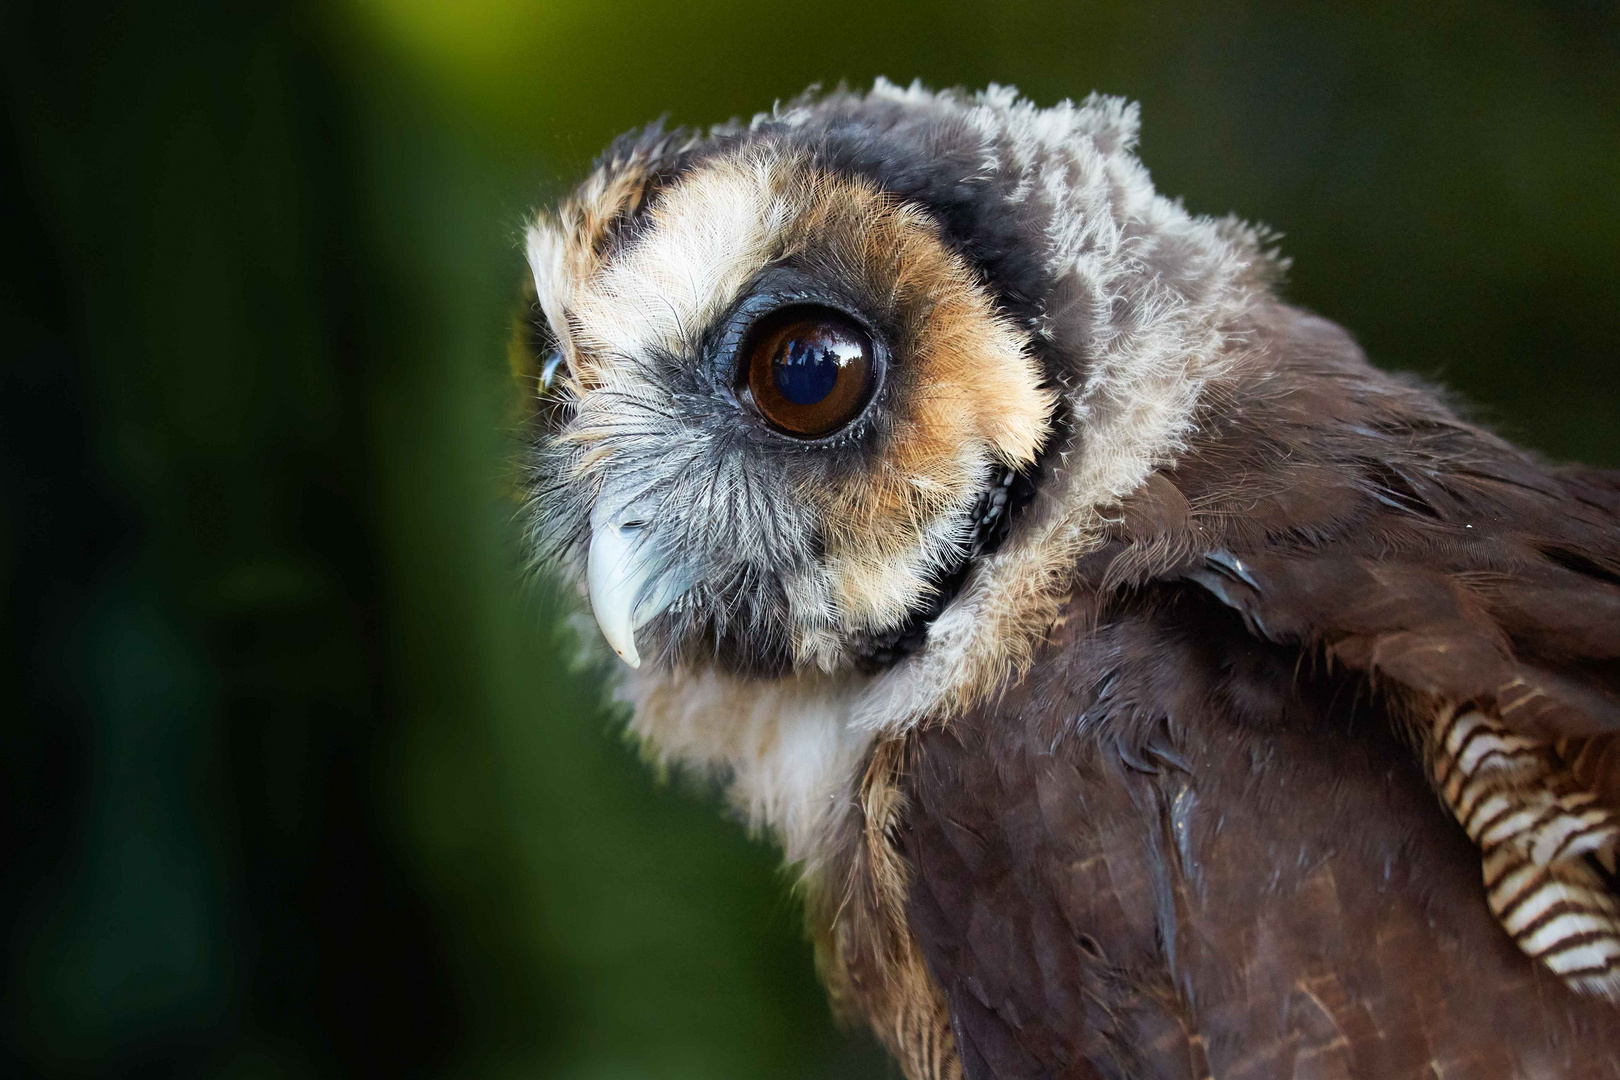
<point x="617" y="629"/>
<point x="615" y="576"/>
<point x="629" y="582"/>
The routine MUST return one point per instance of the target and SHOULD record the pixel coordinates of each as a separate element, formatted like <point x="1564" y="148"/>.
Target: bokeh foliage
<point x="298" y="777"/>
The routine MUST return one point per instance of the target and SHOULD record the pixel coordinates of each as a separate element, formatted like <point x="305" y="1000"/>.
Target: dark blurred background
<point x="298" y="780"/>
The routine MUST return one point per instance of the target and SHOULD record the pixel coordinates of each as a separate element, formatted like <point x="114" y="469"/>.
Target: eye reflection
<point x="806" y="368"/>
<point x="809" y="369"/>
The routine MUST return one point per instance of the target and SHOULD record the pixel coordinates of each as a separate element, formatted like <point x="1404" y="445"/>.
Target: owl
<point x="1139" y="682"/>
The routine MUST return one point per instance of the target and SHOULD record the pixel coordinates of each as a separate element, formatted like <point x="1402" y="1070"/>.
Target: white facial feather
<point x="706" y="241"/>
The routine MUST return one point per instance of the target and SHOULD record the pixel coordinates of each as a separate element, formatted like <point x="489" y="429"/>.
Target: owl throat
<point x="992" y="516"/>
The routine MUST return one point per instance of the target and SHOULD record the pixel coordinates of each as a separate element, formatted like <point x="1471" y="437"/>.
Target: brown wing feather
<point x="1174" y="851"/>
<point x="1341" y="509"/>
<point x="1451" y="569"/>
<point x="1195" y="840"/>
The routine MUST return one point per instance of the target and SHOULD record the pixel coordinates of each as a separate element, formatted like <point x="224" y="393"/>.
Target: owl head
<point x="831" y="391"/>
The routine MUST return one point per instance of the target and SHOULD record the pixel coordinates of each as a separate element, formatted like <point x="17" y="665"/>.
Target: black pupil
<point x="806" y="365"/>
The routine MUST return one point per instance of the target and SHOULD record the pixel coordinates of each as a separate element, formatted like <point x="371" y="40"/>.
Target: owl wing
<point x="1173" y="851"/>
<point x="1201" y="837"/>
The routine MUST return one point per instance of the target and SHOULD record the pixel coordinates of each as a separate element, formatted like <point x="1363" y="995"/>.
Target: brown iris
<point x="809" y="369"/>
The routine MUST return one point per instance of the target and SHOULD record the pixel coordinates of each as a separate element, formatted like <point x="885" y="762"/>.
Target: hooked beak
<point x="630" y="582"/>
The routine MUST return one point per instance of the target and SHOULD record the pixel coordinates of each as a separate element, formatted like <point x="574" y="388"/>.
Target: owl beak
<point x="630" y="582"/>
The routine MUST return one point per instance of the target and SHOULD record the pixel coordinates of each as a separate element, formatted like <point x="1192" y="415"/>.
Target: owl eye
<point x="809" y="369"/>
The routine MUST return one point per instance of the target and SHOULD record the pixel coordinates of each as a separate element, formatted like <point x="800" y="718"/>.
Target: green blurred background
<point x="297" y="777"/>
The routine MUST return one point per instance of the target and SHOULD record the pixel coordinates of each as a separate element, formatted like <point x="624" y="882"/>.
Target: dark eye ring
<point x="808" y="369"/>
